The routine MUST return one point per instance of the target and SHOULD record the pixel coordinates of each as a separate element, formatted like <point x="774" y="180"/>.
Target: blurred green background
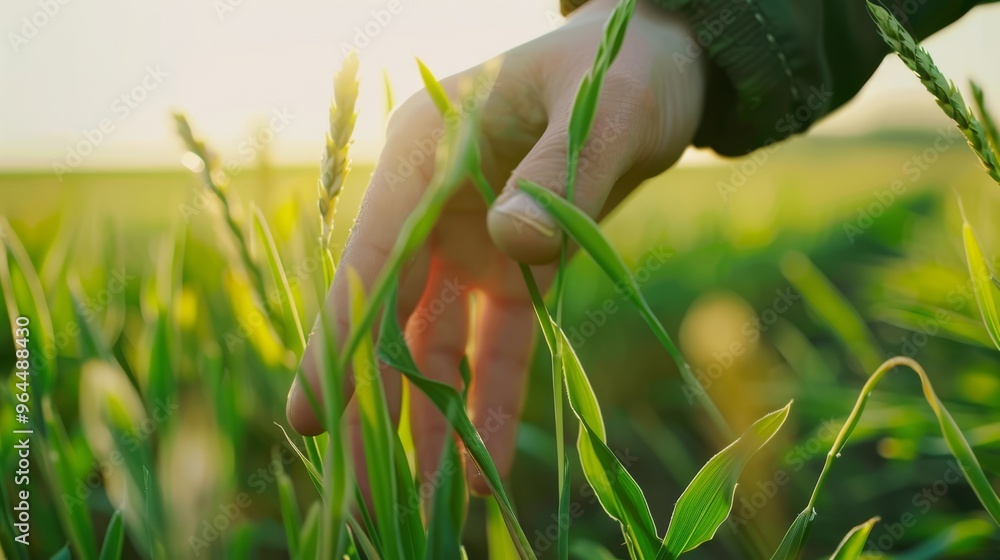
<point x="707" y="244"/>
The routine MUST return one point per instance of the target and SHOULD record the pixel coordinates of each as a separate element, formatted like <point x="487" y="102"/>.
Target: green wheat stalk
<point x="336" y="164"/>
<point x="198" y="148"/>
<point x="944" y="91"/>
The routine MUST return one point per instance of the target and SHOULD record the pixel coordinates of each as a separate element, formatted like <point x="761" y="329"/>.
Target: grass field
<point x="712" y="248"/>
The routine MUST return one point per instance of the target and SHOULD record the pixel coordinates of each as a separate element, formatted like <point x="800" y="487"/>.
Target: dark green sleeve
<point x="780" y="65"/>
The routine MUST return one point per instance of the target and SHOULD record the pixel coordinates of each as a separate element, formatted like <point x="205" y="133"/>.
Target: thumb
<point x="524" y="230"/>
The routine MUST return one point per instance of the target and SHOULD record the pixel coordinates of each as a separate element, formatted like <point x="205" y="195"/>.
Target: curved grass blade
<point x="377" y="433"/>
<point x="588" y="235"/>
<point x="618" y="493"/>
<point x="853" y="544"/>
<point x="392" y="351"/>
<point x="114" y="538"/>
<point x="982" y="285"/>
<point x="708" y="499"/>
<point x="954" y="439"/>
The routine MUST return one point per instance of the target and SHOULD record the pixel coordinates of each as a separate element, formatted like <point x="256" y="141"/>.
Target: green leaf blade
<point x="708" y="499"/>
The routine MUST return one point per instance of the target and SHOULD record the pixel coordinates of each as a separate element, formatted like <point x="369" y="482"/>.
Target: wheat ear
<point x="335" y="163"/>
<point x="198" y="148"/>
<point x="944" y="91"/>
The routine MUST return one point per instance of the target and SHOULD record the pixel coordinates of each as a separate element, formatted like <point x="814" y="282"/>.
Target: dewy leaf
<point x="707" y="500"/>
<point x="618" y="493"/>
<point x="377" y="433"/>
<point x="588" y="235"/>
<point x="854" y="542"/>
<point x="982" y="285"/>
<point x="392" y="350"/>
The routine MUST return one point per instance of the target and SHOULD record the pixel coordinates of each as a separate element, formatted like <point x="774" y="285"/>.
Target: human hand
<point x="649" y="110"/>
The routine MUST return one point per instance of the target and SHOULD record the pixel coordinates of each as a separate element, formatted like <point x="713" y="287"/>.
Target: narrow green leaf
<point x="957" y="540"/>
<point x="708" y="499"/>
<point x="796" y="536"/>
<point x="831" y="305"/>
<point x="289" y="510"/>
<point x="449" y="172"/>
<point x="497" y="538"/>
<point x="434" y="89"/>
<point x="854" y="542"/>
<point x="314" y="474"/>
<point x="444" y="530"/>
<point x="362" y="541"/>
<point x="62" y="554"/>
<point x="309" y="535"/>
<point x="294" y="336"/>
<point x="588" y="235"/>
<point x="618" y="493"/>
<point x="392" y="350"/>
<point x="390" y="98"/>
<point x="408" y="506"/>
<point x="982" y="286"/>
<point x="989" y="125"/>
<point x="377" y="432"/>
<point x="114" y="538"/>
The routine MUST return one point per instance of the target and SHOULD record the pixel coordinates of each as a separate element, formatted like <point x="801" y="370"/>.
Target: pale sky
<point x="232" y="64"/>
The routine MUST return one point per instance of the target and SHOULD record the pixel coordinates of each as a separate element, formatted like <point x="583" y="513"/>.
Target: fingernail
<point x="523" y="210"/>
